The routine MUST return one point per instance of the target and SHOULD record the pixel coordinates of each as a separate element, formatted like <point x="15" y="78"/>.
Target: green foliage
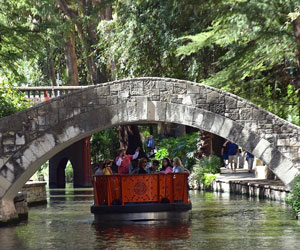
<point x="142" y="39"/>
<point x="11" y="100"/>
<point x="182" y="147"/>
<point x="146" y="134"/>
<point x="254" y="49"/>
<point x="69" y="172"/>
<point x="294" y="197"/>
<point x="205" y="169"/>
<point x="161" y="153"/>
<point x="207" y="179"/>
<point x="104" y="144"/>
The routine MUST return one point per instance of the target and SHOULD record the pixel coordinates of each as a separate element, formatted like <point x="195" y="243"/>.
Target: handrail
<point x="155" y="188"/>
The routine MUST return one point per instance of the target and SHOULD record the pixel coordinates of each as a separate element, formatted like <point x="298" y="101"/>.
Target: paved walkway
<point x="243" y="175"/>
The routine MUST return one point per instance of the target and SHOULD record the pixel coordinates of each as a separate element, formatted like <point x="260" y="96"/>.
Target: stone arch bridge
<point x="31" y="137"/>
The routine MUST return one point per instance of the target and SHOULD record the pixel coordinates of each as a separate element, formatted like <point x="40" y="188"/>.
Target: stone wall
<point x="270" y="191"/>
<point x="29" y="138"/>
<point x="21" y="205"/>
<point x="36" y="192"/>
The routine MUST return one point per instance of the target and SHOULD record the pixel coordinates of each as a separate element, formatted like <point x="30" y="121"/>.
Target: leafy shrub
<point x="11" y="100"/>
<point x="160" y="154"/>
<point x="104" y="144"/>
<point x="294" y="197"/>
<point x="182" y="147"/>
<point x="207" y="179"/>
<point x="205" y="170"/>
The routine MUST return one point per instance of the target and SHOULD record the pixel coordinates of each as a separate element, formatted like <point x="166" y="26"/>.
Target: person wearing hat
<point x="123" y="160"/>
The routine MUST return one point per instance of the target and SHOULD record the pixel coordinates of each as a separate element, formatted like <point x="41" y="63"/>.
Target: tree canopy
<point x="249" y="48"/>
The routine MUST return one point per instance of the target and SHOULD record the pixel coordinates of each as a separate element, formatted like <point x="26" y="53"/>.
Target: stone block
<point x="41" y="120"/>
<point x="259" y="115"/>
<point x="232" y="116"/>
<point x="160" y="111"/>
<point x="20" y="139"/>
<point x="176" y="100"/>
<point x="8" y="140"/>
<point x="180" y="88"/>
<point x="213" y="97"/>
<point x="226" y="128"/>
<point x="235" y="132"/>
<point x="193" y="89"/>
<point x="261" y="146"/>
<point x="112" y="100"/>
<point x="115" y="87"/>
<point x="103" y="91"/>
<point x="217" y="108"/>
<point x="217" y="125"/>
<point x="245" y="114"/>
<point x="7" y="173"/>
<point x="161" y="85"/>
<point x="230" y="102"/>
<point x="102" y="101"/>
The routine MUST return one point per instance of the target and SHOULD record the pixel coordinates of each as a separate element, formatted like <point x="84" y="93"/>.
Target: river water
<point x="218" y="221"/>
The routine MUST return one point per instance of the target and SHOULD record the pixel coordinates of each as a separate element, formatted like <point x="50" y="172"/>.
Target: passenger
<point x="123" y="160"/>
<point x="178" y="167"/>
<point x="134" y="167"/>
<point x="99" y="170"/>
<point x="107" y="167"/>
<point x="153" y="168"/>
<point x="114" y="167"/>
<point x="142" y="166"/>
<point x="166" y="166"/>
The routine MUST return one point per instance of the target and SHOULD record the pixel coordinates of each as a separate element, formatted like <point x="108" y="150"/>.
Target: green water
<point x="217" y="222"/>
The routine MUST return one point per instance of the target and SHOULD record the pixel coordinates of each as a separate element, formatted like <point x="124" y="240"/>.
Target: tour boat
<point x="142" y="197"/>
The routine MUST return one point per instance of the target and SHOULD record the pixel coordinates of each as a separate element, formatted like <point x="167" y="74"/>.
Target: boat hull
<point x="141" y="212"/>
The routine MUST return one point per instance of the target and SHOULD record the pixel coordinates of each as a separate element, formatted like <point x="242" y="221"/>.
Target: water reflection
<point x="144" y="232"/>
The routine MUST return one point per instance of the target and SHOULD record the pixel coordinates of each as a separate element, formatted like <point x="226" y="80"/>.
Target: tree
<point x="11" y="100"/>
<point x="256" y="50"/>
<point x="83" y="15"/>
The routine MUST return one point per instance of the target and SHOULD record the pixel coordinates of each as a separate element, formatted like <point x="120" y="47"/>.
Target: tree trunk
<point x="171" y="129"/>
<point x="297" y="73"/>
<point x="130" y="139"/>
<point x="52" y="75"/>
<point x="206" y="143"/>
<point x="71" y="60"/>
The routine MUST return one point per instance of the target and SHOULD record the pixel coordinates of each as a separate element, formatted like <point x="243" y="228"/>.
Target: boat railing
<point x="143" y="188"/>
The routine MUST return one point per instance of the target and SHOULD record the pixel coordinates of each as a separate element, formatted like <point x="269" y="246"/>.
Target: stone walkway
<point x="243" y="175"/>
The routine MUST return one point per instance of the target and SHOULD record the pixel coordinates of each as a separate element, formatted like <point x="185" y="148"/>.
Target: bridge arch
<point x="31" y="137"/>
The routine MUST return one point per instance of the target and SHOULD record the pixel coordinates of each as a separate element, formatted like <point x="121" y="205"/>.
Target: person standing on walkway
<point x="150" y="143"/>
<point x="250" y="160"/>
<point x="241" y="159"/>
<point x="224" y="153"/>
<point x="123" y="160"/>
<point x="232" y="154"/>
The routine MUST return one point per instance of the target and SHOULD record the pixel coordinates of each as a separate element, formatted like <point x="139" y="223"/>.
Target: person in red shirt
<point x="123" y="160"/>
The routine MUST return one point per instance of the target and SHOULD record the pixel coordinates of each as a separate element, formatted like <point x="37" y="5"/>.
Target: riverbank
<point x="243" y="183"/>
